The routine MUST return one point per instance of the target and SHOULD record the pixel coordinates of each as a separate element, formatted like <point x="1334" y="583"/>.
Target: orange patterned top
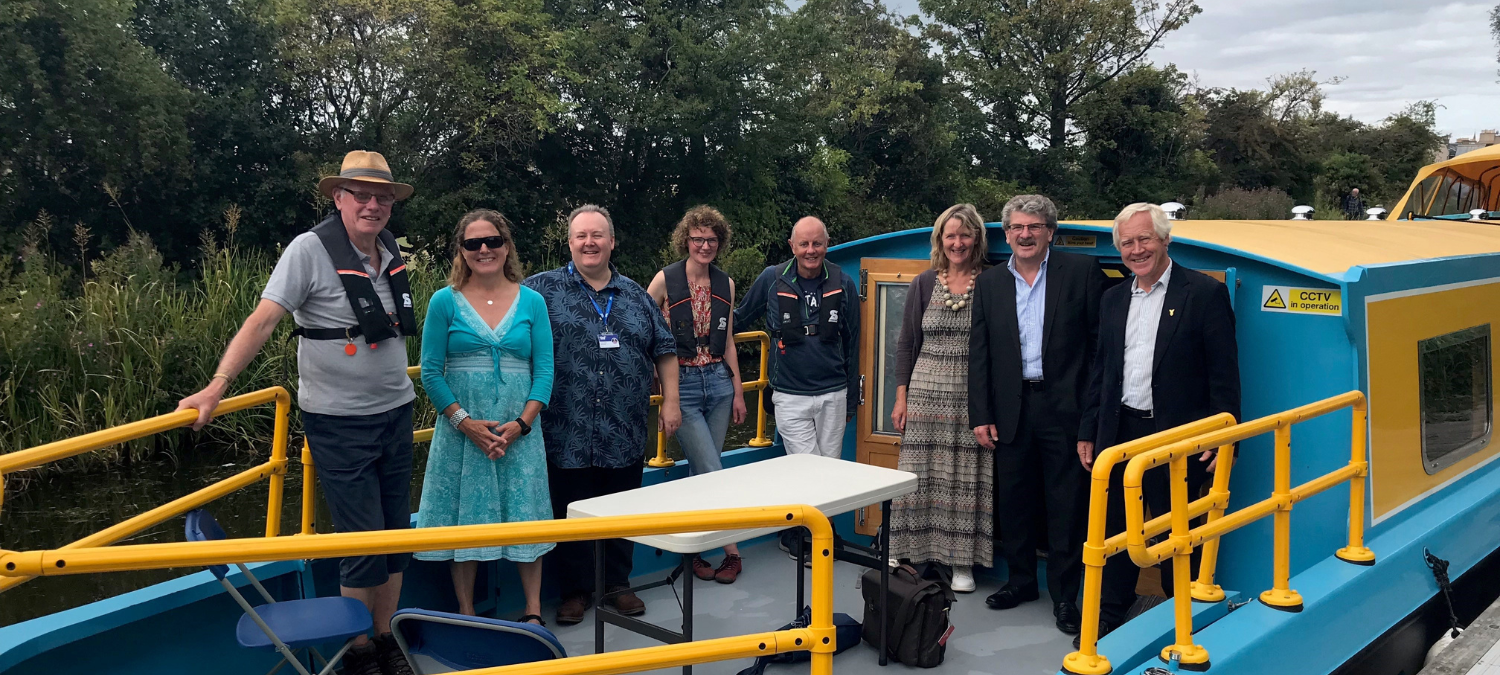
<point x="702" y="320"/>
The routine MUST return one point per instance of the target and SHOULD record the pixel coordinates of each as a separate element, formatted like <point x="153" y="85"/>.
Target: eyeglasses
<point x="1139" y="242"/>
<point x="703" y="241"/>
<point x="364" y="197"/>
<point x="1025" y="228"/>
<point x="493" y="242"/>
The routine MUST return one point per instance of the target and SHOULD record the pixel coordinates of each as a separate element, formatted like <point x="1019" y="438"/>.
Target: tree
<point x="1144" y="142"/>
<point x="1031" y="62"/>
<point x="82" y="105"/>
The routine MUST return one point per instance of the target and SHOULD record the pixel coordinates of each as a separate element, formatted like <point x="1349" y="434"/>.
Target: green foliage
<point x="131" y="341"/>
<point x="1242" y="204"/>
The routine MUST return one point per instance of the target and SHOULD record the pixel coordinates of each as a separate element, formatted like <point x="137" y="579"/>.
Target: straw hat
<point x="365" y="167"/>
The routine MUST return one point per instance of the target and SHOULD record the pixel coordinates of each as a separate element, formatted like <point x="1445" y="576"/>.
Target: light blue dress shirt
<point x="1031" y="309"/>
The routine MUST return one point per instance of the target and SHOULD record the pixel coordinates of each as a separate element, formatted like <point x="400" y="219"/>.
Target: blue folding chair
<point x="290" y="626"/>
<point x="440" y="642"/>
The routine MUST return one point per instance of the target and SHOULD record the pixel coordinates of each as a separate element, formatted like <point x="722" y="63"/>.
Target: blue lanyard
<point x="603" y="313"/>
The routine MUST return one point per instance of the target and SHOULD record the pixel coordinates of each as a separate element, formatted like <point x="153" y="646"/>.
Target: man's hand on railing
<point x="1086" y="454"/>
<point x="205" y="401"/>
<point x="1212" y="458"/>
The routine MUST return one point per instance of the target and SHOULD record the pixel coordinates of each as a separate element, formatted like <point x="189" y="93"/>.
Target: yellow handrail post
<point x="1281" y="596"/>
<point x="278" y="464"/>
<point x="661" y="459"/>
<point x="764" y="382"/>
<point x="309" y="489"/>
<point x="1204" y="589"/>
<point x="1356" y="552"/>
<point x="821" y="626"/>
<point x="1097" y="548"/>
<point x="1190" y="656"/>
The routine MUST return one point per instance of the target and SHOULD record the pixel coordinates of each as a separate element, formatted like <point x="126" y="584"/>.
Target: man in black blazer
<point x="1033" y="339"/>
<point x="1167" y="356"/>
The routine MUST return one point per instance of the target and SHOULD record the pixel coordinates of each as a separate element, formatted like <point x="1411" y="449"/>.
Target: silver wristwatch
<point x="458" y="417"/>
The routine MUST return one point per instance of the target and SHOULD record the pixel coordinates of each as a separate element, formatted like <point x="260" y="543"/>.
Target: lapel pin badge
<point x="1171" y="312"/>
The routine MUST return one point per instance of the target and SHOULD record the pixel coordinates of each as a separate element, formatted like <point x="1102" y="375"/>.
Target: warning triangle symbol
<point x="1275" y="301"/>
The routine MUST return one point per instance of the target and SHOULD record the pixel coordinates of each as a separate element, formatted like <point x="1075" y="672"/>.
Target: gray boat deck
<point x="1018" y="641"/>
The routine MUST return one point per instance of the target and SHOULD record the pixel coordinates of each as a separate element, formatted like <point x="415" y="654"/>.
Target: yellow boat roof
<point x="1330" y="248"/>
<point x="1472" y="165"/>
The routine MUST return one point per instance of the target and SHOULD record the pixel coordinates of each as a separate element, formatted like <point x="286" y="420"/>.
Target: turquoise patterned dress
<point x="491" y="374"/>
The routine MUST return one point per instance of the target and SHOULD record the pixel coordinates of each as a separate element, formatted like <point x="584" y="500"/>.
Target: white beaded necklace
<point x="951" y="300"/>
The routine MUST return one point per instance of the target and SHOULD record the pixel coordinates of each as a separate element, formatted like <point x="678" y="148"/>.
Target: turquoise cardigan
<point x="529" y="338"/>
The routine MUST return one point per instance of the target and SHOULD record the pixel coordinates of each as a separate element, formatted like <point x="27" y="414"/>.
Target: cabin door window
<point x="883" y="284"/>
<point x="1457" y="403"/>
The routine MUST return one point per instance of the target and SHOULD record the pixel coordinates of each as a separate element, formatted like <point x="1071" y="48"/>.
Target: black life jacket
<point x="374" y="323"/>
<point x="680" y="311"/>
<point x="830" y="305"/>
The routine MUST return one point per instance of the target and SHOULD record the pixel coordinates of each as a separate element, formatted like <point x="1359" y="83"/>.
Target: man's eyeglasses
<point x="1025" y="228"/>
<point x="1139" y="242"/>
<point x="493" y="242"/>
<point x="364" y="197"/>
<point x="703" y="241"/>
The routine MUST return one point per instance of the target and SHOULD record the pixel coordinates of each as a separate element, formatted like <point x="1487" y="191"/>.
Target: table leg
<point x="687" y="603"/>
<point x="797" y="549"/>
<point x="598" y="596"/>
<point x="885" y="573"/>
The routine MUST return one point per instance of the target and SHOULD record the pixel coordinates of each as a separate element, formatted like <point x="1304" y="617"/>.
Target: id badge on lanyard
<point x="607" y="338"/>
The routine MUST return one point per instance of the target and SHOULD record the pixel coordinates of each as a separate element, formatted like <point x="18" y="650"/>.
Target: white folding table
<point x="833" y="486"/>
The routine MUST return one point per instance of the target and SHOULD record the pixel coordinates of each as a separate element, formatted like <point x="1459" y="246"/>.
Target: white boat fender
<point x="1442" y="643"/>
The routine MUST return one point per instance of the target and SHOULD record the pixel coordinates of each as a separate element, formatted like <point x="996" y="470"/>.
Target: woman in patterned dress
<point x="487" y="366"/>
<point x="949" y="519"/>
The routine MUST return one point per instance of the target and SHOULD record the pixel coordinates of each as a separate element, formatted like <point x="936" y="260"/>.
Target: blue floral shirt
<point x="601" y="398"/>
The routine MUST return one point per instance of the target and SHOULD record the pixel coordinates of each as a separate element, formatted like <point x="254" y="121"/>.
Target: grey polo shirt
<point x="329" y="380"/>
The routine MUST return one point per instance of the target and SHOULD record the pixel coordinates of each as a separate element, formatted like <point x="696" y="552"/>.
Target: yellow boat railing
<point x="760" y="384"/>
<point x="1184" y="538"/>
<point x="817" y="638"/>
<point x="273" y="469"/>
<point x="1097" y="548"/>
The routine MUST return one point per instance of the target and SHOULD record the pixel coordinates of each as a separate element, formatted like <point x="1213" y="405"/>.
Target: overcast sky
<point x="1391" y="52"/>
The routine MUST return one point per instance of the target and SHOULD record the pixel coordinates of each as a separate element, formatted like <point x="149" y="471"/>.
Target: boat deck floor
<point x="985" y="641"/>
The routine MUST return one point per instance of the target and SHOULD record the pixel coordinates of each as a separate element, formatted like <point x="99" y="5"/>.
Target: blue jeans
<point x="706" y="394"/>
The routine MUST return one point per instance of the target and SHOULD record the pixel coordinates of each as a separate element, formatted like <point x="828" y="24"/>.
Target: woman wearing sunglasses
<point x="698" y="300"/>
<point x="487" y="366"/>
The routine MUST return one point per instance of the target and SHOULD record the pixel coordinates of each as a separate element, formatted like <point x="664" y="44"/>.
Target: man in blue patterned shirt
<point x="610" y="340"/>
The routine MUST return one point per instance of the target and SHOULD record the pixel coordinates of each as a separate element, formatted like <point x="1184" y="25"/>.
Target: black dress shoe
<point x="1067" y="617"/>
<point x="1009" y="596"/>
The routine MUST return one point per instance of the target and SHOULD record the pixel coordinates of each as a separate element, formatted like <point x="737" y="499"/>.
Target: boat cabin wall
<point x="1288" y="357"/>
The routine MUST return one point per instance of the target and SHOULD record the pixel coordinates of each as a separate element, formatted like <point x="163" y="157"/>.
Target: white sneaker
<point x="963" y="579"/>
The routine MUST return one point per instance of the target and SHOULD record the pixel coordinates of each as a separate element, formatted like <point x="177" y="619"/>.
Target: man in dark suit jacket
<point x="1035" y="322"/>
<point x="1167" y="356"/>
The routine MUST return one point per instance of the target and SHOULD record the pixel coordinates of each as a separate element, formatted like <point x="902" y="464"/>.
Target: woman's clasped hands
<point x="491" y="437"/>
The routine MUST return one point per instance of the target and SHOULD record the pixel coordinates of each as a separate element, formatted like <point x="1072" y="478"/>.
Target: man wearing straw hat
<point x="346" y="287"/>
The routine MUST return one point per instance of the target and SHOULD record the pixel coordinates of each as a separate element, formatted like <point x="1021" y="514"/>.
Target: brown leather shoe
<point x="571" y="611"/>
<point x="729" y="570"/>
<point x="627" y="603"/>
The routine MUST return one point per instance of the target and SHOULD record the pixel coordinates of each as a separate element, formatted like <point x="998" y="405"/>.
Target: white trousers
<point x="812" y="425"/>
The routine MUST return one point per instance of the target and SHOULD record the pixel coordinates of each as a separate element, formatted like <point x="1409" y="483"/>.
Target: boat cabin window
<point x="1447" y="193"/>
<point x="1457" y="403"/>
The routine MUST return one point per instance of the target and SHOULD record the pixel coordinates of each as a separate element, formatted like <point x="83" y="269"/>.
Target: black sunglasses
<point x="493" y="242"/>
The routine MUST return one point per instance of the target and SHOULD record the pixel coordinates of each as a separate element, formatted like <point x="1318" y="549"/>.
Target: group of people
<point x="1008" y="378"/>
<point x="544" y="382"/>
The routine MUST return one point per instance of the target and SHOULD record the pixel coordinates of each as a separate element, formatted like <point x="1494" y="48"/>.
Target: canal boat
<point x="1366" y="452"/>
